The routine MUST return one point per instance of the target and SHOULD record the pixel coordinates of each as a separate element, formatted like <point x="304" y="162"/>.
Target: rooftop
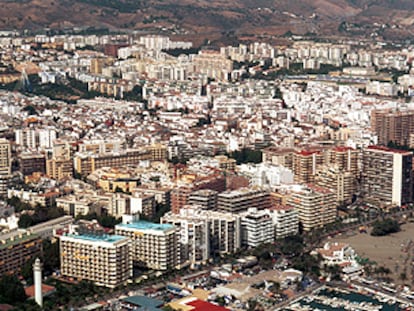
<point x="145" y="225"/>
<point x="97" y="238"/>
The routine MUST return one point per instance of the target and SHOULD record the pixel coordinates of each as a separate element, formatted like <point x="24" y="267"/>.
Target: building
<point x="316" y="206"/>
<point x="393" y="125"/>
<point x="256" y="228"/>
<point x="191" y="182"/>
<point x="305" y="164"/>
<point x="240" y="200"/>
<point x="205" y="198"/>
<point x="59" y="168"/>
<point x="96" y="257"/>
<point x="87" y="163"/>
<point x="16" y="249"/>
<point x="30" y="163"/>
<point x="285" y="220"/>
<point x="342" y="183"/>
<point x="387" y="175"/>
<point x="154" y="246"/>
<point x="5" y="157"/>
<point x="204" y="233"/>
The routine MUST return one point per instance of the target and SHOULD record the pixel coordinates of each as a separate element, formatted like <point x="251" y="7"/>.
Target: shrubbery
<point x="384" y="227"/>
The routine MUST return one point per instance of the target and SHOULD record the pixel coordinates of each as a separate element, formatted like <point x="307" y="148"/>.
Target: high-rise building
<point x="394" y="125"/>
<point x="97" y="257"/>
<point x="342" y="183"/>
<point x="203" y="233"/>
<point x="316" y="206"/>
<point x="154" y="246"/>
<point x="387" y="175"/>
<point x="16" y="248"/>
<point x="256" y="228"/>
<point x="5" y="157"/>
<point x="305" y="164"/>
<point x="285" y="220"/>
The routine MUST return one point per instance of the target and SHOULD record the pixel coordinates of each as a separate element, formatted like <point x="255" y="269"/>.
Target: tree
<point x="385" y="227"/>
<point x="11" y="290"/>
<point x="25" y="221"/>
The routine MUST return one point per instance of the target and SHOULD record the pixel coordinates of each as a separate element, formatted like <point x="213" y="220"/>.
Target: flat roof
<point x="97" y="238"/>
<point x="146" y="225"/>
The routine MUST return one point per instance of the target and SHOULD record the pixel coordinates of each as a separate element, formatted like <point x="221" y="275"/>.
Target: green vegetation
<point x="18" y="204"/>
<point x="178" y="52"/>
<point x="11" y="290"/>
<point x="247" y="155"/>
<point x="41" y="214"/>
<point x="30" y="110"/>
<point x="385" y="227"/>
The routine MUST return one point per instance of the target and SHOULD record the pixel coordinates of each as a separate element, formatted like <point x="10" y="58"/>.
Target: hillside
<point x="273" y="17"/>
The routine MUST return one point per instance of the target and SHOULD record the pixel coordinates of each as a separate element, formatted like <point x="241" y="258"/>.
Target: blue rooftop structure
<point x="97" y="238"/>
<point x="142" y="303"/>
<point x="146" y="225"/>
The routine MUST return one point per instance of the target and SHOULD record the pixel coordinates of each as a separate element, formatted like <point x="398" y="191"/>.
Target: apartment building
<point x="193" y="182"/>
<point x="59" y="168"/>
<point x="5" y="157"/>
<point x="154" y="246"/>
<point x="205" y="198"/>
<point x="240" y="200"/>
<point x="256" y="228"/>
<point x="16" y="249"/>
<point x="285" y="221"/>
<point x="387" y="175"/>
<point x="394" y="125"/>
<point x="203" y="233"/>
<point x="342" y="183"/>
<point x="87" y="163"/>
<point x="96" y="257"/>
<point x="31" y="162"/>
<point x="316" y="206"/>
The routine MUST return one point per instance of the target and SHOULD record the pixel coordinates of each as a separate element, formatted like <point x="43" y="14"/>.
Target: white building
<point x="203" y="232"/>
<point x="256" y="228"/>
<point x="285" y="220"/>
<point x="154" y="246"/>
<point x="266" y="175"/>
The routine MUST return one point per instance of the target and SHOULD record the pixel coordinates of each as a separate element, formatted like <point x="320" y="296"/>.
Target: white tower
<point x="37" y="275"/>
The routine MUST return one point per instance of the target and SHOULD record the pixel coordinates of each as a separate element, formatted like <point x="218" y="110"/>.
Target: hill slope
<point x="208" y="16"/>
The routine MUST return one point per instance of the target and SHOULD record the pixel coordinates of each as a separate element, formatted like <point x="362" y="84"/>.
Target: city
<point x="143" y="172"/>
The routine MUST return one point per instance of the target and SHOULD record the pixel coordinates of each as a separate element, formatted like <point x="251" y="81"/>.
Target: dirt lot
<point x="394" y="251"/>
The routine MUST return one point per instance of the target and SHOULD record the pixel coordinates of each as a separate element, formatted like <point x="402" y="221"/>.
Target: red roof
<point x="46" y="289"/>
<point x="386" y="149"/>
<point x="200" y="305"/>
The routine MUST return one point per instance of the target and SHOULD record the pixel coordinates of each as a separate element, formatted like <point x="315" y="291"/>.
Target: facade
<point x="100" y="258"/>
<point x="30" y="163"/>
<point x="285" y="220"/>
<point x="16" y="248"/>
<point x="205" y="198"/>
<point x="316" y="206"/>
<point x="387" y="175"/>
<point x="5" y="157"/>
<point x="87" y="163"/>
<point x="393" y="125"/>
<point x="256" y="228"/>
<point x="59" y="168"/>
<point x="154" y="246"/>
<point x="240" y="200"/>
<point x="342" y="183"/>
<point x="203" y="233"/>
